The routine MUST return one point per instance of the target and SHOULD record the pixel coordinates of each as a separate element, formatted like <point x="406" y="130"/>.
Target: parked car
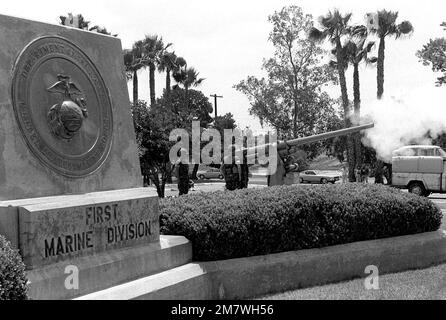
<point x="211" y="173"/>
<point x="312" y="176"/>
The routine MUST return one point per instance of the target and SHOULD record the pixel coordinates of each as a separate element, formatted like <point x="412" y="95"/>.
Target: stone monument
<point x="70" y="182"/>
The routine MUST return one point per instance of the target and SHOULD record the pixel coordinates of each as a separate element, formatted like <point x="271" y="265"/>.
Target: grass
<point x="425" y="284"/>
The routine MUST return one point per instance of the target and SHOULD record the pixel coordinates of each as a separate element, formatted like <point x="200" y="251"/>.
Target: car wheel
<point x="301" y="180"/>
<point x="418" y="189"/>
<point x="324" y="181"/>
<point x="202" y="177"/>
<point x="220" y="177"/>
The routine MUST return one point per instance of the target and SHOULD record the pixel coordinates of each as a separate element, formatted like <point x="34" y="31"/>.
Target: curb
<point x="252" y="277"/>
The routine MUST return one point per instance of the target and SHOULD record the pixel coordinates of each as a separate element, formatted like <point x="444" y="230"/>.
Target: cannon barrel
<point x="323" y="136"/>
<point x="285" y="145"/>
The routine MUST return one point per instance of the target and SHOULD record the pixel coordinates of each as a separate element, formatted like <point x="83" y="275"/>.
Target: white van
<point x="421" y="169"/>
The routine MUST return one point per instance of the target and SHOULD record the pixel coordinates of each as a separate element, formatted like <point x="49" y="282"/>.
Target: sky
<point x="226" y="41"/>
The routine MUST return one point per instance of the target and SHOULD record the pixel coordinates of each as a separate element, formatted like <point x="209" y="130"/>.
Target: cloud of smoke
<point x="405" y="118"/>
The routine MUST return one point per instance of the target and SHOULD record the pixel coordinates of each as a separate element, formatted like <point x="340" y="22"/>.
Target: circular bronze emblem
<point x="62" y="106"/>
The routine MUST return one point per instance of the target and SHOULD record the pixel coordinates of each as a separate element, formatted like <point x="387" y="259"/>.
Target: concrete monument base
<point x="108" y="269"/>
<point x="74" y="245"/>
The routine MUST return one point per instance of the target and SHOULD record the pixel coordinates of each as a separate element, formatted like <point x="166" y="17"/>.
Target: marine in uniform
<point x="231" y="171"/>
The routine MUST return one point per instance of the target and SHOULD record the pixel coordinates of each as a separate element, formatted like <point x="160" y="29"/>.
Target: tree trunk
<point x="168" y="82"/>
<point x="195" y="171"/>
<point x="357" y="115"/>
<point x="135" y="87"/>
<point x="169" y="172"/>
<point x="346" y="108"/>
<point x="380" y="83"/>
<point x="159" y="186"/>
<point x="295" y="119"/>
<point x="380" y="68"/>
<point x="163" y="186"/>
<point x="186" y="97"/>
<point x="152" y="84"/>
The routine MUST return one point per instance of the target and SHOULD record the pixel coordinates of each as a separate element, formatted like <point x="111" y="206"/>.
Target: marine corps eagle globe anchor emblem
<point x="65" y="118"/>
<point x="52" y="116"/>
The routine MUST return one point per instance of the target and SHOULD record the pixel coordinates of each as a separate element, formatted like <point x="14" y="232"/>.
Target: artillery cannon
<point x="286" y="148"/>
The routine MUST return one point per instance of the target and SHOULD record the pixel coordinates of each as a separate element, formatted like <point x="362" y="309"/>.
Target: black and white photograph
<point x="225" y="159"/>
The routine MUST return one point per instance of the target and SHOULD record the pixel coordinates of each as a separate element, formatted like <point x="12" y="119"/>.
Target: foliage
<point x="434" y="54"/>
<point x="13" y="281"/>
<point x="154" y="124"/>
<point x="290" y="94"/>
<point x="153" y="51"/>
<point x="188" y="77"/>
<point x="226" y="225"/>
<point x="334" y="27"/>
<point x="198" y="107"/>
<point x="78" y="21"/>
<point x="170" y="62"/>
<point x="387" y="25"/>
<point x="133" y="62"/>
<point x="440" y="141"/>
<point x="223" y="122"/>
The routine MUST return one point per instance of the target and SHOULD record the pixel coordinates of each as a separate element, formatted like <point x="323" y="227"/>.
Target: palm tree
<point x="387" y="27"/>
<point x="169" y="62"/>
<point x="79" y="21"/>
<point x="357" y="50"/>
<point x="133" y="61"/>
<point x="188" y="78"/>
<point x="334" y="26"/>
<point x="154" y="47"/>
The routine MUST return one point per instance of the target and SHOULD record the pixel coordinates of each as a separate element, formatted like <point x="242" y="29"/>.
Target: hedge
<point x="243" y="223"/>
<point x="13" y="281"/>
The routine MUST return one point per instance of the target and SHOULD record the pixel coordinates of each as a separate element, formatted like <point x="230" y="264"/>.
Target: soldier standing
<point x="358" y="175"/>
<point x="277" y="178"/>
<point x="244" y="170"/>
<point x="182" y="174"/>
<point x="231" y="171"/>
<point x="366" y="173"/>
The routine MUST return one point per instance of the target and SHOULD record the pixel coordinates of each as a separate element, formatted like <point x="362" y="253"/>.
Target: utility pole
<point x="215" y="103"/>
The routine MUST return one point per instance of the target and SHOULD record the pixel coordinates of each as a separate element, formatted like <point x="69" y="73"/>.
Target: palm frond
<point x="316" y="35"/>
<point x="405" y="28"/>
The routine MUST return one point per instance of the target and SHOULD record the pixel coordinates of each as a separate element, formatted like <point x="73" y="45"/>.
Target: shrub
<point x="13" y="282"/>
<point x="225" y="225"/>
